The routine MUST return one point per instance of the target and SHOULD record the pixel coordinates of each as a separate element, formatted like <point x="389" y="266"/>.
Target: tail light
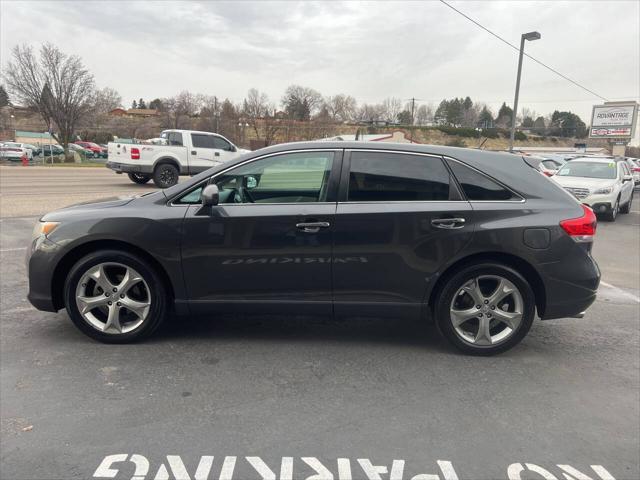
<point x="135" y="154"/>
<point x="635" y="169"/>
<point x="548" y="173"/>
<point x="581" y="229"/>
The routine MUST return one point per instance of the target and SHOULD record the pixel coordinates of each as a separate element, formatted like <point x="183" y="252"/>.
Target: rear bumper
<point x="571" y="287"/>
<point x="127" y="168"/>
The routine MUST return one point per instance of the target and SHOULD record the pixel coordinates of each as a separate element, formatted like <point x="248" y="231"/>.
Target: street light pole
<point x="525" y="36"/>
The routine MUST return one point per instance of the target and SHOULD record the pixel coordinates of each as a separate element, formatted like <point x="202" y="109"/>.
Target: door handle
<point x="448" y="223"/>
<point x="217" y="154"/>
<point x="312" y="227"/>
<point x="193" y="152"/>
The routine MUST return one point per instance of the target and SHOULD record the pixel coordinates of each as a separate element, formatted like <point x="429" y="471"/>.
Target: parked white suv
<point x="177" y="152"/>
<point x="605" y="184"/>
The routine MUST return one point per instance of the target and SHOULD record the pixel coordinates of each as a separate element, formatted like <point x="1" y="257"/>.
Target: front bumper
<point x="126" y="168"/>
<point x="41" y="259"/>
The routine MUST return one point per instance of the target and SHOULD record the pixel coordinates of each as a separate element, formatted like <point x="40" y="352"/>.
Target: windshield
<point x="588" y="170"/>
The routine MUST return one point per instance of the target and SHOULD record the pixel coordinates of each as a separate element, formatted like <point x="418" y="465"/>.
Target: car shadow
<point x="301" y="329"/>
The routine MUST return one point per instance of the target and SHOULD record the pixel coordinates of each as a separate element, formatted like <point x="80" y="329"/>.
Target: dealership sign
<point x="614" y="120"/>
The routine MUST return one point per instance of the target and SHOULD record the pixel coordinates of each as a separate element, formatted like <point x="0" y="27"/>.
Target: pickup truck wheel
<point x="165" y="175"/>
<point x="139" y="178"/>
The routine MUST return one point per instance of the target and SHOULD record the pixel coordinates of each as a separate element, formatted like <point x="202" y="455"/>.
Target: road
<point x="297" y="394"/>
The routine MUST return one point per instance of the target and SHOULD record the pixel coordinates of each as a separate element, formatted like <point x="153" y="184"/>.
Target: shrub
<point x="456" y="142"/>
<point x="460" y="131"/>
<point x="520" y="136"/>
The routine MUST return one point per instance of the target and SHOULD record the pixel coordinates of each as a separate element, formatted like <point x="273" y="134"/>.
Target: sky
<point x="370" y="50"/>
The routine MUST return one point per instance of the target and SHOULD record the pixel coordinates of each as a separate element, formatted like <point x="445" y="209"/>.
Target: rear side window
<point x="175" y="138"/>
<point x="388" y="177"/>
<point x="477" y="186"/>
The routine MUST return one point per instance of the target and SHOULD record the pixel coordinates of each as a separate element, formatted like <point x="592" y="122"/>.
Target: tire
<point x="613" y="214"/>
<point x="139" y="178"/>
<point x="165" y="175"/>
<point x="474" y="305"/>
<point x="106" y="316"/>
<point x="627" y="206"/>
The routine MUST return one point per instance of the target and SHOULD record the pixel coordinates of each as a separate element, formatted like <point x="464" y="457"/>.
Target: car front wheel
<point x="485" y="309"/>
<point x="115" y="297"/>
<point x="613" y="214"/>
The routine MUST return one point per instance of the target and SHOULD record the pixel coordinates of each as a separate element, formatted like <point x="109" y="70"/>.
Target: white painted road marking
<point x="12" y="249"/>
<point x="175" y="469"/>
<point x="621" y="292"/>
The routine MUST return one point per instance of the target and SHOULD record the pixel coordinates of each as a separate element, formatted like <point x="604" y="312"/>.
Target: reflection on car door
<point x="268" y="242"/>
<point x="399" y="218"/>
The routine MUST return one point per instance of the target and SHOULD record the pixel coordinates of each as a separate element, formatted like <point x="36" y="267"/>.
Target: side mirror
<point x="210" y="195"/>
<point x="232" y="148"/>
<point x="250" y="182"/>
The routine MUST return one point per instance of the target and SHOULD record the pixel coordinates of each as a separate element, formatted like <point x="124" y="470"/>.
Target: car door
<point x="267" y="244"/>
<point x="203" y="153"/>
<point x="627" y="183"/>
<point x="224" y="150"/>
<point x="399" y="219"/>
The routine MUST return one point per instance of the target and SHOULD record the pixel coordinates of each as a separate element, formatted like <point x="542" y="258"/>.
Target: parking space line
<point x="622" y="292"/>
<point x="12" y="249"/>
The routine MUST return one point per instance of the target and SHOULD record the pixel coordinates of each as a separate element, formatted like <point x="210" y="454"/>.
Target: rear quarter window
<point x="479" y="187"/>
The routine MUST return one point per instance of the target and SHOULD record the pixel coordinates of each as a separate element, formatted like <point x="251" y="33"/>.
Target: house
<point x="34" y="138"/>
<point x="395" y="137"/>
<point x="118" y="112"/>
<point x="142" y="112"/>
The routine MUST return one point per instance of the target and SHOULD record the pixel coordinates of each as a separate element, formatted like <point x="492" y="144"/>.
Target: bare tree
<point x="254" y="108"/>
<point x="179" y="108"/>
<point x="301" y="103"/>
<point x="370" y="113"/>
<point x="341" y="107"/>
<point x="391" y="108"/>
<point x="105" y="100"/>
<point x="57" y="85"/>
<point x="424" y="115"/>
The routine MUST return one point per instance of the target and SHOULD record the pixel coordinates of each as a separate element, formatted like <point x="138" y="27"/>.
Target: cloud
<point x="370" y="50"/>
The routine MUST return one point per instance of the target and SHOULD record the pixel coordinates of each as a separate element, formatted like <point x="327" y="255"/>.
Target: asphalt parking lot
<point x="272" y="397"/>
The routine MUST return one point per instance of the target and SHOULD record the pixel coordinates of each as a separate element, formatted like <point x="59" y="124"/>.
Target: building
<point x="34" y="138"/>
<point x="134" y="112"/>
<point x="562" y="150"/>
<point x="395" y="137"/>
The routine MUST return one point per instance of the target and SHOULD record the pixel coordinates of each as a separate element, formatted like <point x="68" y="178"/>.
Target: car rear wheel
<point x="139" y="178"/>
<point x="115" y="297"/>
<point x="165" y="175"/>
<point x="485" y="309"/>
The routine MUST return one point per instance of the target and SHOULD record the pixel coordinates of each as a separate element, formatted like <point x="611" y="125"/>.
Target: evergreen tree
<point x="4" y="98"/>
<point x="141" y="104"/>
<point x="134" y="104"/>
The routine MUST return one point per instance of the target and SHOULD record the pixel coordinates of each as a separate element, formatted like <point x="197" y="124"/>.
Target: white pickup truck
<point x="182" y="152"/>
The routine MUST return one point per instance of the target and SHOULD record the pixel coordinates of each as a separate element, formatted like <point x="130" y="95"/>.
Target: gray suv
<point x="476" y="241"/>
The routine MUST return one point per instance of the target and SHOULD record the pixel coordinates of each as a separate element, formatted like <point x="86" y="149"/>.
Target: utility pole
<point x="413" y="121"/>
<point x="525" y="36"/>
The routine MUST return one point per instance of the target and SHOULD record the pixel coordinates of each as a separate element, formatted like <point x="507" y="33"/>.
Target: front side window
<point x="221" y="143"/>
<point x="287" y="178"/>
<point x="479" y="187"/>
<point x="201" y="140"/>
<point x="388" y="177"/>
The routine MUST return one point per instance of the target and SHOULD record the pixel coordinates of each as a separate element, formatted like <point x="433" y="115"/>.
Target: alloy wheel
<point x="113" y="298"/>
<point x="486" y="310"/>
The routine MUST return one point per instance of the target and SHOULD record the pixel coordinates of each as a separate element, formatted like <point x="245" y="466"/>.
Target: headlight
<point x="44" y="228"/>
<point x="603" y="191"/>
